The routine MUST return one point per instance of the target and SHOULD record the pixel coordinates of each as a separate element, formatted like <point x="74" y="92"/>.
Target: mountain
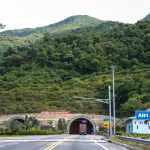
<point x="74" y="24"/>
<point x="70" y="23"/>
<point x="47" y="74"/>
<point x="147" y="17"/>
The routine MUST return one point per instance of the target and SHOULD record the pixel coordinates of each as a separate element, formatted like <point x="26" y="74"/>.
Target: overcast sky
<point x="16" y="14"/>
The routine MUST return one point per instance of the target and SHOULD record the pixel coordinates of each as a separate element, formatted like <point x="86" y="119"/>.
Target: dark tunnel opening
<point x="19" y="120"/>
<point x="75" y="126"/>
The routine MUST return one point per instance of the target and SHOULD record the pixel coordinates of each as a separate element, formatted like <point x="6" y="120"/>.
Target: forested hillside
<point x="70" y="23"/>
<point x="47" y="74"/>
<point x="147" y="17"/>
<point x="28" y="36"/>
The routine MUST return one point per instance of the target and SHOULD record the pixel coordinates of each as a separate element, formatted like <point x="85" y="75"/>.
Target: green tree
<point x="30" y="123"/>
<point x="129" y="107"/>
<point x="2" y="26"/>
<point x="14" y="125"/>
<point x="50" y="122"/>
<point x="61" y="124"/>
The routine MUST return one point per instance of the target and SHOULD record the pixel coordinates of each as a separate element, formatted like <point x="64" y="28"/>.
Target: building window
<point x="129" y="129"/>
<point x="146" y="122"/>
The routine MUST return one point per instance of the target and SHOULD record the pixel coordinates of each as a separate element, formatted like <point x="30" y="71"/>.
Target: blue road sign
<point x="142" y="115"/>
<point x="107" y="119"/>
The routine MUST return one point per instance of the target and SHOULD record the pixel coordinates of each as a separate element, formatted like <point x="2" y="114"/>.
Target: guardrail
<point x="134" y="140"/>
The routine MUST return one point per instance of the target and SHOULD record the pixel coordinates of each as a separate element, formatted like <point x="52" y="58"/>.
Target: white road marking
<point x="96" y="142"/>
<point x="2" y="146"/>
<point x="7" y="144"/>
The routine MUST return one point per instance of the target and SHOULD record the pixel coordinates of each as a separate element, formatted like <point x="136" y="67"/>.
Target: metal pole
<point x="106" y="101"/>
<point x="110" y="123"/>
<point x="113" y="83"/>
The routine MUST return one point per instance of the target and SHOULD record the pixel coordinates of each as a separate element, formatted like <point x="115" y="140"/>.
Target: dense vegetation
<point x="28" y="36"/>
<point x="30" y="126"/>
<point x="48" y="74"/>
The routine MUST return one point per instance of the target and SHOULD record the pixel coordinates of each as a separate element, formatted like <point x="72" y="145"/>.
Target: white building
<point x="137" y="126"/>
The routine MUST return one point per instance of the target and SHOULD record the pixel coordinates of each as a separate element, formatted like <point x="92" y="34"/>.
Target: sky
<point x="18" y="14"/>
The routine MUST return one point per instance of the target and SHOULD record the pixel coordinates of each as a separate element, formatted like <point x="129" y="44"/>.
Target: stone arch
<point x="18" y="118"/>
<point x="73" y="126"/>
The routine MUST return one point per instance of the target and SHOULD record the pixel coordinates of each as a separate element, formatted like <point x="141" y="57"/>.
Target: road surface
<point x="57" y="142"/>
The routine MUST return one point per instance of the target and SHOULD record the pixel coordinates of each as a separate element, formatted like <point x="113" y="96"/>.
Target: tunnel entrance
<point x="75" y="126"/>
<point x="19" y="119"/>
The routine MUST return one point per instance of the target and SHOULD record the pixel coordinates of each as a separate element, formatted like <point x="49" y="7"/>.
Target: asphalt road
<point x="58" y="142"/>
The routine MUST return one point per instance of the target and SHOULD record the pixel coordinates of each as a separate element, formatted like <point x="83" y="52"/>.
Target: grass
<point x="11" y="135"/>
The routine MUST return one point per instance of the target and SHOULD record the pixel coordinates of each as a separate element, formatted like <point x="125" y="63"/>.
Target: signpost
<point x="142" y="115"/>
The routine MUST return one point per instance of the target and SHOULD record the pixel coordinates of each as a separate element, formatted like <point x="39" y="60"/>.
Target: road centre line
<point x="54" y="145"/>
<point x="50" y="146"/>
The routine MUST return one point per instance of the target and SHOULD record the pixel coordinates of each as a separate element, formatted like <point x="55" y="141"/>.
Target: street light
<point x="106" y="101"/>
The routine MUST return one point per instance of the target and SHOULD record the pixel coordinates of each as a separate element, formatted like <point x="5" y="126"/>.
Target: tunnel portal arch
<point x="73" y="126"/>
<point x="18" y="118"/>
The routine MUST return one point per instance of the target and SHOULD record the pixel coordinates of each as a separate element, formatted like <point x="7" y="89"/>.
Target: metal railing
<point x="134" y="140"/>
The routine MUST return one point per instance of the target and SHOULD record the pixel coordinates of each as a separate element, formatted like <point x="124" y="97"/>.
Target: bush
<point x="142" y="136"/>
<point x="119" y="133"/>
<point x="39" y="132"/>
<point x="135" y="135"/>
<point x="102" y="131"/>
<point x="6" y="131"/>
<point x="29" y="132"/>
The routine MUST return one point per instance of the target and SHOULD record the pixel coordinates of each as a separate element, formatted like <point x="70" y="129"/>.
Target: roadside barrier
<point x="134" y="140"/>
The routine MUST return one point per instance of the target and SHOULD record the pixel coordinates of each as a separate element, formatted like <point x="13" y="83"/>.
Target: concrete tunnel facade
<point x="73" y="126"/>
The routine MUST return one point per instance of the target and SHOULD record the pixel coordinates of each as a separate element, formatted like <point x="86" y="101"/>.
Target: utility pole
<point x="113" y="94"/>
<point x="106" y="101"/>
<point x="110" y="119"/>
